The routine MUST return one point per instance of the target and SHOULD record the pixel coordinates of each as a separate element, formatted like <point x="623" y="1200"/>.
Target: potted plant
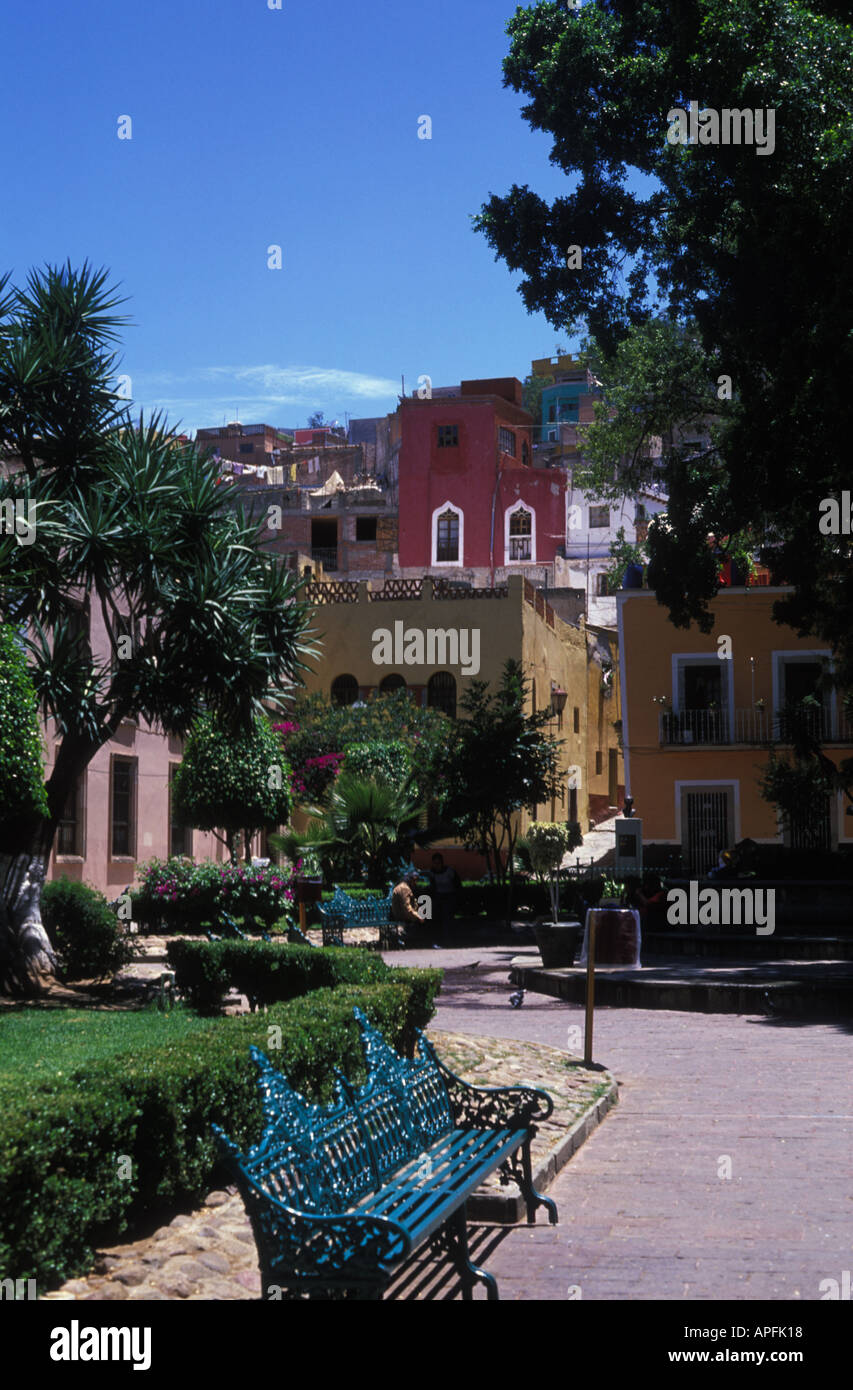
<point x="547" y="842"/>
<point x="308" y="883"/>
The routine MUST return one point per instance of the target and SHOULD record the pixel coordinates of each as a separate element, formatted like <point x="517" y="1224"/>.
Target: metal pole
<point x="590" y="987"/>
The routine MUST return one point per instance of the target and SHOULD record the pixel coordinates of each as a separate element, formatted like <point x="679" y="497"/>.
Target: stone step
<point x="794" y="988"/>
<point x="738" y="946"/>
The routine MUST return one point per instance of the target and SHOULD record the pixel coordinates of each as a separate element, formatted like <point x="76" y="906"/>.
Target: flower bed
<point x="179" y="896"/>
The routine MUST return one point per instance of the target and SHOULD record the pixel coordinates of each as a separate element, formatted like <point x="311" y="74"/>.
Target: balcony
<point x="710" y="727"/>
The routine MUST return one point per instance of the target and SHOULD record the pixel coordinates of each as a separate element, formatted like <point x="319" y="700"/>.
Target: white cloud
<point x="294" y="384"/>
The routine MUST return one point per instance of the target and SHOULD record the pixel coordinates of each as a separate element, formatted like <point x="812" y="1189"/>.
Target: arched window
<point x="391" y="683"/>
<point x="441" y="693"/>
<point x="448" y="535"/>
<point x="344" y="690"/>
<point x="520" y="534"/>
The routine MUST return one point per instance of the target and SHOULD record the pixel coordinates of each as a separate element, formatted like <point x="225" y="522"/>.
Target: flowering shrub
<point x="314" y="767"/>
<point x="178" y="895"/>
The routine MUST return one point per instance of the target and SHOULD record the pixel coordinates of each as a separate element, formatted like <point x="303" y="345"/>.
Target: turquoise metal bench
<point x="340" y="1195"/>
<point x="342" y="912"/>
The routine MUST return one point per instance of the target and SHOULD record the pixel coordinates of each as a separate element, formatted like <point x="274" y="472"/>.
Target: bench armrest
<point x="483" y="1107"/>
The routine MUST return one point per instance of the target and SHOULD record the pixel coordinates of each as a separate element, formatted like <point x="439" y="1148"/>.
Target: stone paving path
<point x="210" y="1253"/>
<point x="646" y="1209"/>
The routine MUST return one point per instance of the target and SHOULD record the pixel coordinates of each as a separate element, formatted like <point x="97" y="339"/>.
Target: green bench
<point x="340" y="1195"/>
<point x="342" y="912"/>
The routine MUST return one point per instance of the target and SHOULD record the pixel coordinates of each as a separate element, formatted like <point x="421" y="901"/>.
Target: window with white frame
<point x="447" y="535"/>
<point x="520" y="534"/>
<point x="599" y="518"/>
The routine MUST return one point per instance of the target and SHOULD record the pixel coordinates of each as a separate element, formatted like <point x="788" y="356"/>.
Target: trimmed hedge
<point x="63" y="1186"/>
<point x="267" y="973"/>
<point x="90" y="940"/>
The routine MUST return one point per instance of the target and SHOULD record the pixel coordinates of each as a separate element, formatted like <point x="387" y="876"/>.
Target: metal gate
<point x="708" y="828"/>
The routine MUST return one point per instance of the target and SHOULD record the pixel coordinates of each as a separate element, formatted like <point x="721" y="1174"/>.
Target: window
<point x="389" y="684"/>
<point x="247" y="448"/>
<point x="599" y="762"/>
<point x="552" y="414"/>
<point x="448" y="436"/>
<point x="123" y="809"/>
<point x="506" y="441"/>
<point x="525" y="453"/>
<point x="599" y="518"/>
<point x="70" y="834"/>
<point x="519" y="534"/>
<point x="447" y="548"/>
<point x="639" y="512"/>
<point x="365" y="528"/>
<point x="441" y="693"/>
<point x="520" y="529"/>
<point x="576" y="720"/>
<point x="180" y="836"/>
<point x="344" y="690"/>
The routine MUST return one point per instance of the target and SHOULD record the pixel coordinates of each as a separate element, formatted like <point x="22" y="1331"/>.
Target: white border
<point x="693" y="783"/>
<point x="706" y="659"/>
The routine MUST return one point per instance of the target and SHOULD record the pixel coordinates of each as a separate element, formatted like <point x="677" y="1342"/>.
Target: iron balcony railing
<point x="719" y="726"/>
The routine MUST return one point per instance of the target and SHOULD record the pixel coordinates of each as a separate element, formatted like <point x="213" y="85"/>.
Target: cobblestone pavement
<point x="210" y="1253"/>
<point x="646" y="1208"/>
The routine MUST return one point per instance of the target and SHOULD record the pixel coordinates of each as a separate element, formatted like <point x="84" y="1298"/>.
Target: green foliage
<point x="236" y="781"/>
<point x="90" y="940"/>
<point x="42" y="1043"/>
<point x="364" y="824"/>
<point x="379" y="761"/>
<point x="22" y="794"/>
<point x="265" y="972"/>
<point x="129" y="519"/>
<point x="798" y="787"/>
<point x="61" y="1192"/>
<point x="427" y="734"/>
<point x="712" y="287"/>
<point x="502" y="762"/>
<point x="548" y="842"/>
<point x="622" y="554"/>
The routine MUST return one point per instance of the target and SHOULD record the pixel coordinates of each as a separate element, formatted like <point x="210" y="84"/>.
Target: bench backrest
<point x="325" y="1158"/>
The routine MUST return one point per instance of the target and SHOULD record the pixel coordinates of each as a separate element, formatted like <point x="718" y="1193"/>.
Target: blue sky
<point x="298" y="127"/>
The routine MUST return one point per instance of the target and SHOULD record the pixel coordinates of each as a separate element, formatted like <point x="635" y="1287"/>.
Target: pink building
<point x="120" y="813"/>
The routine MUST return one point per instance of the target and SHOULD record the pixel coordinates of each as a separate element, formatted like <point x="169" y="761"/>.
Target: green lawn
<point x="38" y="1043"/>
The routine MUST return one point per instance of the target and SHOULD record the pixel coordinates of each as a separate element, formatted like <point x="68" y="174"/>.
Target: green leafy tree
<point x="502" y="763"/>
<point x="130" y="539"/>
<point x="23" y="803"/>
<point x="232" y="782"/>
<point x="714" y="284"/>
<point x="391" y="720"/>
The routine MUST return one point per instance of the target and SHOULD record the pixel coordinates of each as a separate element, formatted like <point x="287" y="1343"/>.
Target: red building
<point x="471" y="502"/>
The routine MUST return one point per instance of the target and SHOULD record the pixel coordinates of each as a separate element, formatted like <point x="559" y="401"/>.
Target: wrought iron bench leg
<point x="469" y="1273"/>
<point x="532" y="1198"/>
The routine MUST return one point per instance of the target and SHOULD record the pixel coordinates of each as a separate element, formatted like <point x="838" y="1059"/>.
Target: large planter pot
<point x="633" y="578"/>
<point x="558" y="943"/>
<point x="308" y="890"/>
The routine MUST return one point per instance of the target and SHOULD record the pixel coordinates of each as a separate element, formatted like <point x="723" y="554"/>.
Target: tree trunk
<point x="27" y="960"/>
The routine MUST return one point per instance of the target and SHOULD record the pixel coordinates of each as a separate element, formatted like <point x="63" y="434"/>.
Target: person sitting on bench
<point x="404" y="906"/>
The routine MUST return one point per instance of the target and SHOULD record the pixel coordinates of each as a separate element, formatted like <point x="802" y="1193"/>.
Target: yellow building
<point x="433" y="636"/>
<point x="701" y="713"/>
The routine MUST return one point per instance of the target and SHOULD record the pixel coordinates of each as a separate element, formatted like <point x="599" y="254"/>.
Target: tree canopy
<point x="716" y="279"/>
